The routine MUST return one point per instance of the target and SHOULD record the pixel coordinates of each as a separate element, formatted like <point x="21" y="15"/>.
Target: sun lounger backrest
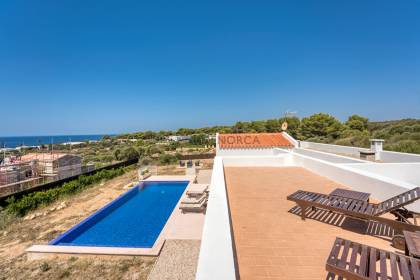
<point x="398" y="201"/>
<point x="352" y="260"/>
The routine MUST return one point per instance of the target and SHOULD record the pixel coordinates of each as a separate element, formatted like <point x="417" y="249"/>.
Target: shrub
<point x="405" y="146"/>
<point x="167" y="159"/>
<point x="44" y="266"/>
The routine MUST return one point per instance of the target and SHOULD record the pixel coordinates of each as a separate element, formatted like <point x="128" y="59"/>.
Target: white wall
<point x="388" y="156"/>
<point x="329" y="148"/>
<point x="379" y="186"/>
<point x="385" y="156"/>
<point x="249" y="152"/>
<point x="406" y="172"/>
<point x="327" y="157"/>
<point x="216" y="259"/>
<point x="276" y="161"/>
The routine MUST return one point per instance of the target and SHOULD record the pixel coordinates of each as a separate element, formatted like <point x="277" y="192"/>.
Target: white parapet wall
<point x="216" y="259"/>
<point x="335" y="149"/>
<point x="280" y="160"/>
<point x="327" y="156"/>
<point x="388" y="156"/>
<point x="250" y="152"/>
<point x="385" y="156"/>
<point x="381" y="187"/>
<point x="406" y="172"/>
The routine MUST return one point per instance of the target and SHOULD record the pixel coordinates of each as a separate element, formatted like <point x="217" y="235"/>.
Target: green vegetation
<point x="151" y="147"/>
<point x="33" y="200"/>
<point x="401" y="135"/>
<point x="167" y="159"/>
<point x="200" y="139"/>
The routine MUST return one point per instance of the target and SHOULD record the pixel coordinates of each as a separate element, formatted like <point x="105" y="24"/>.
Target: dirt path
<point x="49" y="223"/>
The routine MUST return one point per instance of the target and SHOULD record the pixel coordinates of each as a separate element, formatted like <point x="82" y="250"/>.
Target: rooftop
<point x="270" y="239"/>
<point x="252" y="231"/>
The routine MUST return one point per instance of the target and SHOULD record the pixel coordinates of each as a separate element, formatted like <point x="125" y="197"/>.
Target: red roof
<point x="253" y="140"/>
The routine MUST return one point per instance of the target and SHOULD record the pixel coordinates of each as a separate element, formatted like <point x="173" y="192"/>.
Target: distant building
<point x="178" y="138"/>
<point x="55" y="165"/>
<point x="11" y="173"/>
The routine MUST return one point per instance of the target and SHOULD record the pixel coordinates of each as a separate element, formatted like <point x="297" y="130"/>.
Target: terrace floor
<point x="271" y="240"/>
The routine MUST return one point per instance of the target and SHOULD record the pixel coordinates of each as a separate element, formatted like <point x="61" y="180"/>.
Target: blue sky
<point x="70" y="67"/>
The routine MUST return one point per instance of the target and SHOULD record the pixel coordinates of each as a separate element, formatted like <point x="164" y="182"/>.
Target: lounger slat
<point x="363" y="261"/>
<point x="404" y="269"/>
<point x="335" y="202"/>
<point x="372" y="263"/>
<point x="382" y="260"/>
<point x="353" y="258"/>
<point x="361" y="207"/>
<point x="342" y="204"/>
<point x="415" y="269"/>
<point x="352" y="205"/>
<point x="367" y="208"/>
<point x="343" y="260"/>
<point x="333" y="257"/>
<point x="393" y="266"/>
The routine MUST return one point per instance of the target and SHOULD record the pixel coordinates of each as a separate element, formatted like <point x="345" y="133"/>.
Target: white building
<point x="178" y="138"/>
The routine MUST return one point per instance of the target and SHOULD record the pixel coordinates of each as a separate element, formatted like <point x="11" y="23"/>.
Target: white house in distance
<point x="178" y="138"/>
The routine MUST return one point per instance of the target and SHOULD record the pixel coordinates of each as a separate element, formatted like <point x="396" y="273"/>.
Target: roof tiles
<point x="253" y="141"/>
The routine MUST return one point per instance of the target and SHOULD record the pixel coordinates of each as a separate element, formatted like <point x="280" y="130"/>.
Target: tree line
<point x="401" y="135"/>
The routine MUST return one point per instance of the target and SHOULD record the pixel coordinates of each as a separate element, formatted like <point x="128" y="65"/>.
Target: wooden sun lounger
<point x="350" y="194"/>
<point x="354" y="261"/>
<point x="361" y="209"/>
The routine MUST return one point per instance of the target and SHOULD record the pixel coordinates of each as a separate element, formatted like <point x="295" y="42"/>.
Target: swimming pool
<point x="133" y="220"/>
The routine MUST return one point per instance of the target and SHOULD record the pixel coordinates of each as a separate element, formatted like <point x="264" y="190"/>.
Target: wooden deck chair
<point x="361" y="209"/>
<point x="354" y="261"/>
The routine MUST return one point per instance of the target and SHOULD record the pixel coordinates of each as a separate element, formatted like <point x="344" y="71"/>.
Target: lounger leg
<point x="303" y="209"/>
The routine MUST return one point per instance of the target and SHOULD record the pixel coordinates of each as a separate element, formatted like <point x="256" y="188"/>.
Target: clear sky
<point x="80" y="66"/>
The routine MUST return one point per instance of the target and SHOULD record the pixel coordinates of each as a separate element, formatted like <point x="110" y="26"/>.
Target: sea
<point x="16" y="141"/>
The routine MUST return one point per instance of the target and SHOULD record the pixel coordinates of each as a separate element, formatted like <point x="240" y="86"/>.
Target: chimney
<point x="376" y="145"/>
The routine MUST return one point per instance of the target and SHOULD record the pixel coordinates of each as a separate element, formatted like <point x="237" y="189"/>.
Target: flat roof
<point x="270" y="239"/>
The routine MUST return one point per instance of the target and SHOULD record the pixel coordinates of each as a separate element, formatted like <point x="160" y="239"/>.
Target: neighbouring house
<point x="178" y="138"/>
<point x="16" y="171"/>
<point x="55" y="166"/>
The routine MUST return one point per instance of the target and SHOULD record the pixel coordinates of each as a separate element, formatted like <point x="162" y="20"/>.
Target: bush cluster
<point x="32" y="201"/>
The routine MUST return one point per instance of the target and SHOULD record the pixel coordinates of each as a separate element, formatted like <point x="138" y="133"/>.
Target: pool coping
<point x="36" y="251"/>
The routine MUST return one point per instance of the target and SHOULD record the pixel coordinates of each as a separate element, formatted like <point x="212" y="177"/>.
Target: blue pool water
<point x="135" y="219"/>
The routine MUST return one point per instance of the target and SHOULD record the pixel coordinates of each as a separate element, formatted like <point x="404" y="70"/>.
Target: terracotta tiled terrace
<point x="271" y="242"/>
